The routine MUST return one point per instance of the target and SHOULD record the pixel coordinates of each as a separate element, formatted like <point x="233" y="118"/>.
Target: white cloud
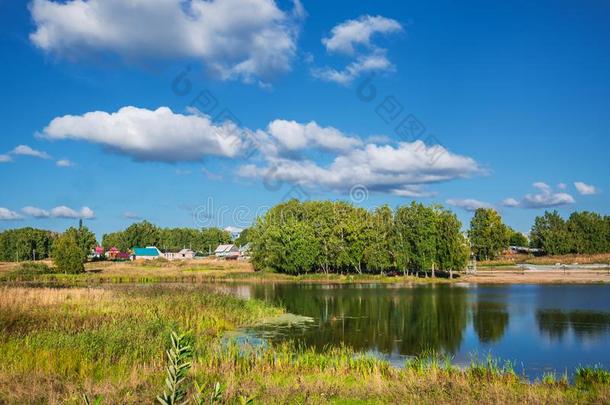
<point x="585" y="189"/>
<point x="233" y="229"/>
<point x="353" y="37"/>
<point x="468" y="204"/>
<point x="292" y="136"/>
<point x="545" y="198"/>
<point x="8" y="215"/>
<point x="247" y="39"/>
<point x="131" y="215"/>
<point x="25" y="150"/>
<point x="412" y="192"/>
<point x="5" y="158"/>
<point x="510" y="202"/>
<point x="363" y="64"/>
<point x="64" y="163"/>
<point x="36" y="212"/>
<point x="382" y="168"/>
<point x="67" y="212"/>
<point x="345" y="36"/>
<point x="153" y="135"/>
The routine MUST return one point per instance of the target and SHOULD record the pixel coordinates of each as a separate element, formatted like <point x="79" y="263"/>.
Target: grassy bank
<point x="512" y="260"/>
<point x="58" y="343"/>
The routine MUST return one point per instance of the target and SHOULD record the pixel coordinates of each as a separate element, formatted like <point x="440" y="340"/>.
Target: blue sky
<point x="511" y="100"/>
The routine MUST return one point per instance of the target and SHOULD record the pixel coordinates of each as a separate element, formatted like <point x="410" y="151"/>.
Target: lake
<point x="539" y="328"/>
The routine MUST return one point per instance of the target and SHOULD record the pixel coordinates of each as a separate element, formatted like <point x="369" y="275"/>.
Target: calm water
<point x="539" y="328"/>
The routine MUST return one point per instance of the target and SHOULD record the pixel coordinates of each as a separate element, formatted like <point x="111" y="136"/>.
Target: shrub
<point x="588" y="376"/>
<point x="67" y="255"/>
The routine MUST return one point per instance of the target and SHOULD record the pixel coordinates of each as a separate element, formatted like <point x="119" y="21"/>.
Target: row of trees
<point x="26" y="244"/>
<point x="583" y="232"/>
<point x="299" y="237"/>
<point x="146" y="234"/>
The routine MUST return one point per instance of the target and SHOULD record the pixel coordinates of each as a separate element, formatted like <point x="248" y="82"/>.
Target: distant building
<point x="184" y="254"/>
<point x="227" y="251"/>
<point x="147" y="253"/>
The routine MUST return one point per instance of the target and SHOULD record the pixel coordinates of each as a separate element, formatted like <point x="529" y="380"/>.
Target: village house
<point x="147" y="253"/>
<point x="229" y="251"/>
<point x="184" y="254"/>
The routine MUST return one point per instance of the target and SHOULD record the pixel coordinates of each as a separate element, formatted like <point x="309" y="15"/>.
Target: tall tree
<point x="550" y="233"/>
<point x="488" y="235"/>
<point x="68" y="256"/>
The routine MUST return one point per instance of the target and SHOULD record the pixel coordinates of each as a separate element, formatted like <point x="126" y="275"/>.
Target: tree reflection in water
<point x="555" y="323"/>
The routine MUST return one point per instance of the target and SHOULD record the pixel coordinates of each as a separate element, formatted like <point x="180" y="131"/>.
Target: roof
<point x="185" y="251"/>
<point x="147" y="251"/>
<point x="245" y="247"/>
<point x="224" y="248"/>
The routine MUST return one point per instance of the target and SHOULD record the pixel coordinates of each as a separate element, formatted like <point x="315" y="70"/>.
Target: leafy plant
<point x="179" y="357"/>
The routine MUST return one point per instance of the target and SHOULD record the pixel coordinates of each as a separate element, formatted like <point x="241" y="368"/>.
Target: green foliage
<point x="68" y="256"/>
<point x="516" y="238"/>
<point x="83" y="237"/>
<point x="179" y="358"/>
<point x="488" y="235"/>
<point x="325" y="236"/>
<point x="243" y="237"/>
<point x="586" y="377"/>
<point x="146" y="234"/>
<point x="22" y="244"/>
<point x="583" y="233"/>
<point x="550" y="233"/>
<point x="32" y="269"/>
<point x="587" y="232"/>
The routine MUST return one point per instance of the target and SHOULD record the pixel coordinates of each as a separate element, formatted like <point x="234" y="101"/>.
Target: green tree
<point x="587" y="232"/>
<point x="488" y="235"/>
<point x="84" y="238"/>
<point x="452" y="250"/>
<point x="243" y="237"/>
<point x="68" y="255"/>
<point x="516" y="238"/>
<point x="141" y="234"/>
<point x="550" y="233"/>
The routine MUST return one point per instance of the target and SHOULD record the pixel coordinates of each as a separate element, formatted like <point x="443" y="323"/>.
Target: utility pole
<point x="34" y="254"/>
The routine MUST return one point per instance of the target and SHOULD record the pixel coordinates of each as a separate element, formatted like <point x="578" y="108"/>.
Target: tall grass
<point x="110" y="342"/>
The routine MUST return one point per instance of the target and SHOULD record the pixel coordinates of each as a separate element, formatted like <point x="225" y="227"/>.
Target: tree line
<point x="336" y="237"/>
<point x="582" y="233"/>
<point x="144" y="233"/>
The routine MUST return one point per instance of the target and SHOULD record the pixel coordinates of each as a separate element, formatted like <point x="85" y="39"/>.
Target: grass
<point x="516" y="259"/>
<point x="57" y="344"/>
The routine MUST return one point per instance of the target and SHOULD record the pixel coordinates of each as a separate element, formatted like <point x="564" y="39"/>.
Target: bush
<point x="32" y="269"/>
<point x="67" y="255"/>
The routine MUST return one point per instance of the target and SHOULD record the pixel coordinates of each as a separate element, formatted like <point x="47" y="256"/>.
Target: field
<point x="60" y="343"/>
<point x="210" y="270"/>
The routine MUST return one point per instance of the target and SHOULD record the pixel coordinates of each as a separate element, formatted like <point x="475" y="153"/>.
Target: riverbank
<point x="60" y="343"/>
<point x="210" y="270"/>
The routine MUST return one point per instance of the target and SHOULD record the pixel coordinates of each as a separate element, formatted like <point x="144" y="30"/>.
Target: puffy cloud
<point x="292" y="136"/>
<point x="345" y="36"/>
<point x="468" y="204"/>
<point x="353" y="37"/>
<point x="363" y="64"/>
<point x="64" y="163"/>
<point x="67" y="212"/>
<point x="154" y="135"/>
<point x="245" y="39"/>
<point x="382" y="168"/>
<point x="585" y="189"/>
<point x="545" y="198"/>
<point x="5" y="158"/>
<point x="8" y="215"/>
<point x="510" y="202"/>
<point x="36" y="212"/>
<point x="25" y="150"/>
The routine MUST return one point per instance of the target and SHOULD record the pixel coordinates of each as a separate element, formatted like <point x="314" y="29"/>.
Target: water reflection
<point x="585" y="324"/>
<point x="541" y="327"/>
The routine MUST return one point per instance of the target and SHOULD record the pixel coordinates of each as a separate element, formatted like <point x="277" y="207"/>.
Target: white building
<point x="225" y="251"/>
